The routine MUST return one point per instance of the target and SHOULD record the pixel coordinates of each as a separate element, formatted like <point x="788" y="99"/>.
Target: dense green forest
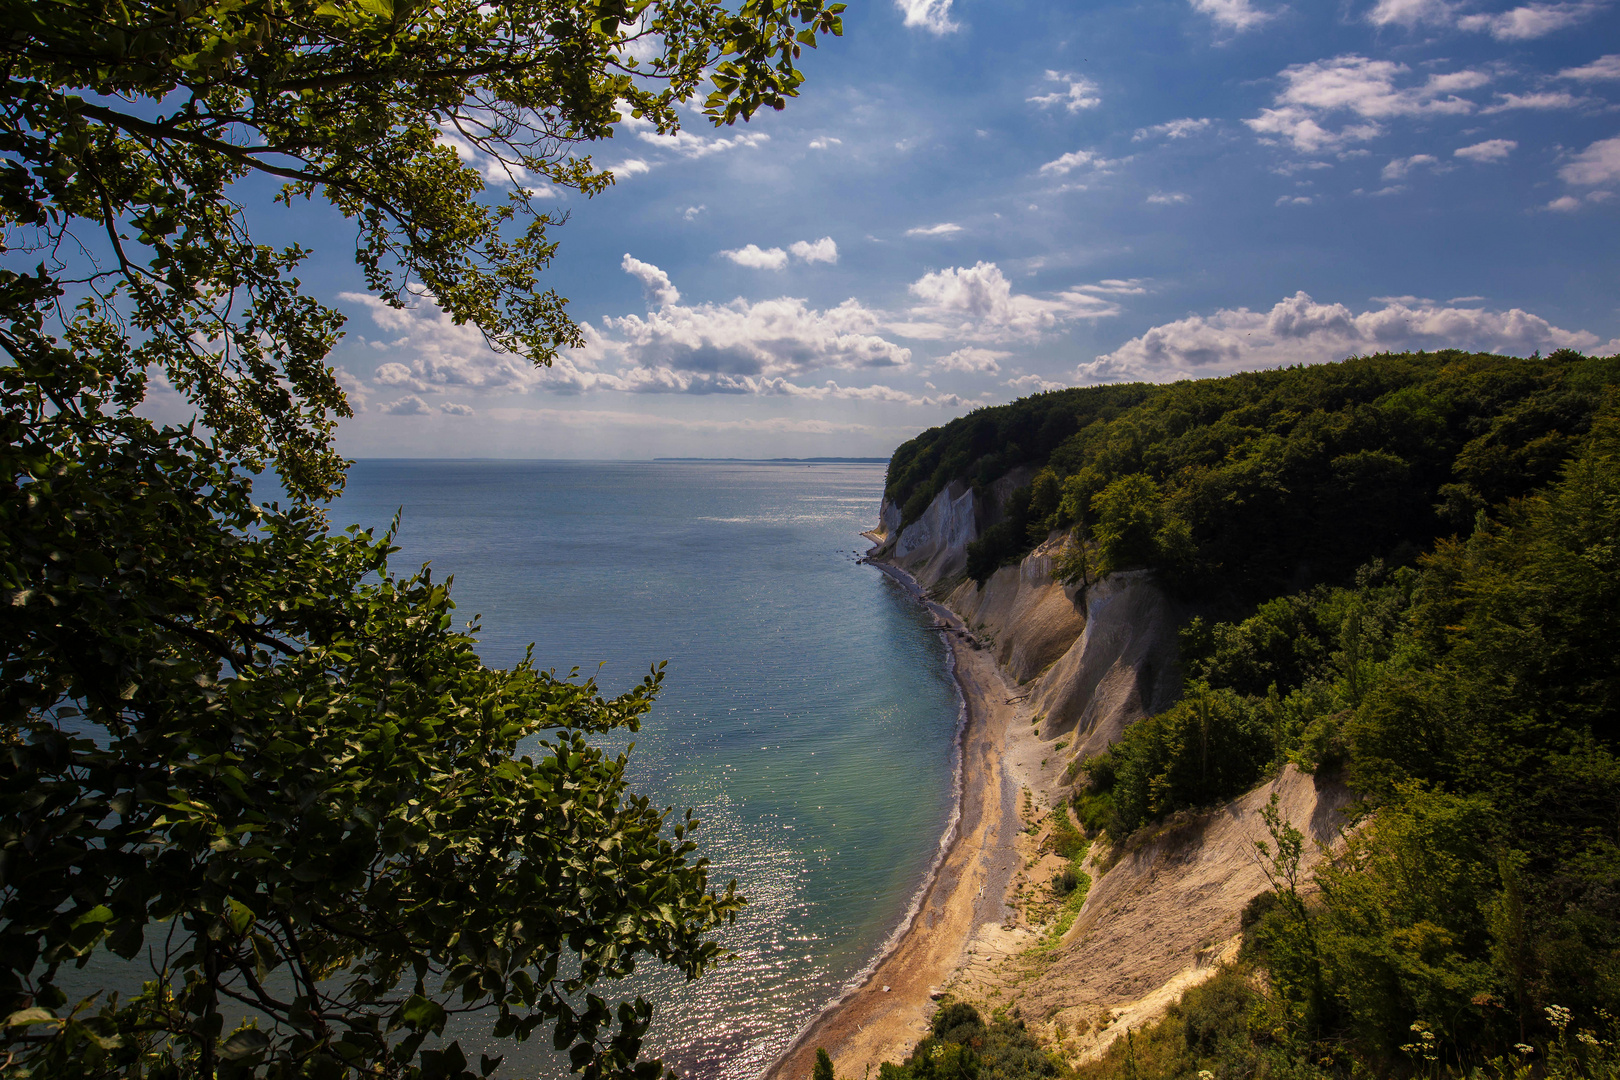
<point x="1245" y="487"/>
<point x="1408" y="574"/>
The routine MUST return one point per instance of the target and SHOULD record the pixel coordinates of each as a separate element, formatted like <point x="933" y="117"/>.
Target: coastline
<point x="883" y="1015"/>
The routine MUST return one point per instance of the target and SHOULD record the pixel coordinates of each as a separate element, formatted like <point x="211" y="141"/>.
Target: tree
<point x="239" y="747"/>
<point x="124" y="127"/>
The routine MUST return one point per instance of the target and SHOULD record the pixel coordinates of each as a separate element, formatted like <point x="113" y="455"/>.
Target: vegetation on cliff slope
<point x="1468" y="691"/>
<point x="1249" y="486"/>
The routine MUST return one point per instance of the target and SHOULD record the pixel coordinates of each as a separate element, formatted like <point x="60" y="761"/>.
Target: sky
<point x="976" y="200"/>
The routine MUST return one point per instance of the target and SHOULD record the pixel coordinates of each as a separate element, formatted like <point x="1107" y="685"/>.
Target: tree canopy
<point x="240" y="750"/>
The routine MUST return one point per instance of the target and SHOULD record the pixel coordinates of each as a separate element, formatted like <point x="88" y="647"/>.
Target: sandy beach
<point x="882" y="1018"/>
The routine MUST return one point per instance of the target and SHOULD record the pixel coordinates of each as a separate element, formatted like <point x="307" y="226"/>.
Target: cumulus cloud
<point x="1300" y="330"/>
<point x="931" y="15"/>
<point x="409" y="405"/>
<point x="433" y="354"/>
<point x="1597" y="164"/>
<point x="1543" y="99"/>
<point x="1489" y="150"/>
<point x="1528" y="22"/>
<point x="1522" y="23"/>
<point x="628" y="168"/>
<point x="660" y="290"/>
<point x="1399" y="167"/>
<point x="823" y="250"/>
<point x="972" y="361"/>
<point x="1234" y="15"/>
<point x="688" y="145"/>
<point x="1168" y="198"/>
<point x="1036" y="384"/>
<point x="1294" y="200"/>
<point x="1565" y="204"/>
<point x="758" y="258"/>
<point x="1076" y="93"/>
<point x="693" y="211"/>
<point x="1369" y="90"/>
<point x="976" y="303"/>
<point x="1173" y="129"/>
<point x="824" y="142"/>
<point x="1603" y="69"/>
<point x="1079" y="159"/>
<point x="1410" y="13"/>
<point x="455" y="408"/>
<point x="944" y="228"/>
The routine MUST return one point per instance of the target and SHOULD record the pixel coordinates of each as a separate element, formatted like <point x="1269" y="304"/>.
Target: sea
<point x="808" y="715"/>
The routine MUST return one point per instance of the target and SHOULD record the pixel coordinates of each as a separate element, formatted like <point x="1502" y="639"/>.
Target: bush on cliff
<point x="960" y="1046"/>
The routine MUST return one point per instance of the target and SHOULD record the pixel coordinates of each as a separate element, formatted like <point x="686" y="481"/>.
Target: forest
<point x="1402" y="572"/>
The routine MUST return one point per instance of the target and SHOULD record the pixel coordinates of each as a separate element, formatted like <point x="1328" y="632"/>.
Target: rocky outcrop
<point x="1029" y="620"/>
<point x="1093" y="659"/>
<point x="1122" y="667"/>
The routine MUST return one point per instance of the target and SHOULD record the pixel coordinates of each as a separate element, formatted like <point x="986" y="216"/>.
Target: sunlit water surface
<point x="807" y="714"/>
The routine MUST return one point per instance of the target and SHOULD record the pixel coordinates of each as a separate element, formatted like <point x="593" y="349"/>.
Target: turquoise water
<point x="808" y="716"/>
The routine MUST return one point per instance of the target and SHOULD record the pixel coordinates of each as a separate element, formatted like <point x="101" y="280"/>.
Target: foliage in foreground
<point x="960" y="1046"/>
<point x="240" y="751"/>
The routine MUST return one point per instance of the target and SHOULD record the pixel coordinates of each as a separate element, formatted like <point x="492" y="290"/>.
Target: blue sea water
<point x="808" y="715"/>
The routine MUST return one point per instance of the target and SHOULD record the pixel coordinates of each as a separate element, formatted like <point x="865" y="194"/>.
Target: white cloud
<point x="454" y="408"/>
<point x="1489" y="150"/>
<point x="823" y="250"/>
<point x="758" y="258"/>
<point x="692" y="211"/>
<point x="1410" y="13"/>
<point x="1528" y="22"/>
<point x="1518" y="24"/>
<point x="1116" y="287"/>
<point x="824" y="142"/>
<point x="430" y="353"/>
<point x="1173" y="129"/>
<point x="688" y="145"/>
<point x="1603" y="69"/>
<point x="932" y="15"/>
<point x="1036" y="384"/>
<point x="976" y="303"/>
<point x="1168" y="198"/>
<point x="1294" y="200"/>
<point x="1597" y="164"/>
<point x="1080" y="159"/>
<point x="1565" y="204"/>
<point x="1234" y="15"/>
<point x="944" y="228"/>
<point x="409" y="405"/>
<point x="1543" y="99"/>
<point x="1365" y="88"/>
<point x="659" y="288"/>
<point x="628" y="168"/>
<point x="1078" y="93"/>
<point x="1399" y="167"/>
<point x="972" y="361"/>
<point x="1300" y="330"/>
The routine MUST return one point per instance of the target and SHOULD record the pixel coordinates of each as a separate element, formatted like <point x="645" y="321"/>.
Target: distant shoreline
<point x="785" y="460"/>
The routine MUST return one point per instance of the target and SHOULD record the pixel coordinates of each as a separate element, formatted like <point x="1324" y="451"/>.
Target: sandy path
<point x="885" y="1016"/>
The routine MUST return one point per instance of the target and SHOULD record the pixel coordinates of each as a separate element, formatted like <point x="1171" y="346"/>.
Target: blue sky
<point x="974" y="200"/>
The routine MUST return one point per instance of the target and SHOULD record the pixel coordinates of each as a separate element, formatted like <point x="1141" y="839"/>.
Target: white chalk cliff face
<point x="1093" y="660"/>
